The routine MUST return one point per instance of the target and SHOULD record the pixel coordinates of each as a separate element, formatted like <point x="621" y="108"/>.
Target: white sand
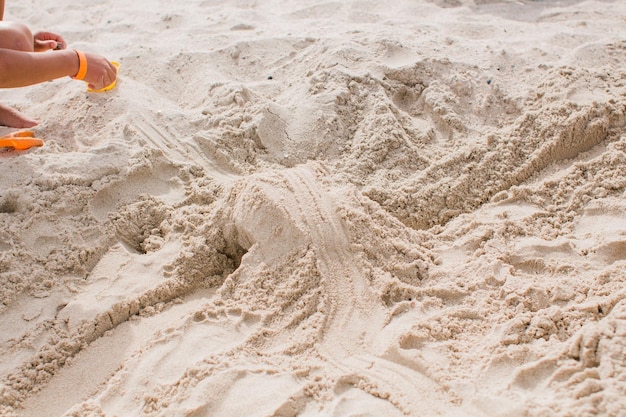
<point x="298" y="208"/>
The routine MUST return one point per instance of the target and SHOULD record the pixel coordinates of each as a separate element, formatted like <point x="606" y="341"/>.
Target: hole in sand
<point x="8" y="204"/>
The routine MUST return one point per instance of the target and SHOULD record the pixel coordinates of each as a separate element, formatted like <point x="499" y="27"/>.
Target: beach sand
<point x="318" y="208"/>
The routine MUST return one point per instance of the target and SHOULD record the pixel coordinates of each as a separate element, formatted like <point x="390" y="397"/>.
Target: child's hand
<point x="100" y="72"/>
<point x="45" y="41"/>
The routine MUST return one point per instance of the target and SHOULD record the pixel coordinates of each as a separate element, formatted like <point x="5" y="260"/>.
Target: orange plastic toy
<point x="21" y="140"/>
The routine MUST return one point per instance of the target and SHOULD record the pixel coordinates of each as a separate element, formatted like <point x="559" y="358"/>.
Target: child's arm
<point x="19" y="69"/>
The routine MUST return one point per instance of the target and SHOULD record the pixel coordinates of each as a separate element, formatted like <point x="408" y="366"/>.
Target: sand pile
<point x="310" y="209"/>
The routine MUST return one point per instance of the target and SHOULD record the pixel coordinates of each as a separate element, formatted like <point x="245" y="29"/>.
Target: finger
<point x="61" y="44"/>
<point x="112" y="70"/>
<point x="111" y="75"/>
<point x="45" y="45"/>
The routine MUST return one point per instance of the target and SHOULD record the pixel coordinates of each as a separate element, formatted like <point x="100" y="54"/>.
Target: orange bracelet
<point x="82" y="66"/>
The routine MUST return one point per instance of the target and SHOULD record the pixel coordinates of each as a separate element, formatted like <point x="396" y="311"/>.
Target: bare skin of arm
<point x="49" y="66"/>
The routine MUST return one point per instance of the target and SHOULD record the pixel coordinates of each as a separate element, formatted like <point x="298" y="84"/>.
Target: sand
<point x="296" y="208"/>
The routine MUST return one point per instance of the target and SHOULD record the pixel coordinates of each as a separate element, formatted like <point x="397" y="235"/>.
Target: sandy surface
<point x="308" y="208"/>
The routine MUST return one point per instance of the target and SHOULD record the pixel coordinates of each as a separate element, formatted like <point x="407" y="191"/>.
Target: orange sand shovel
<point x="22" y="140"/>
